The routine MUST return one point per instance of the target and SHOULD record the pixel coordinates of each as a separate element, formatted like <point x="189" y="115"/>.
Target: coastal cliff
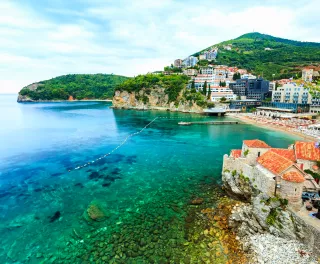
<point x="267" y="222"/>
<point x="156" y="99"/>
<point x="159" y="92"/>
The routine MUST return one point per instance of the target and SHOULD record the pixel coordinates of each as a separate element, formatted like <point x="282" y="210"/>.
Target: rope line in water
<point x="120" y="145"/>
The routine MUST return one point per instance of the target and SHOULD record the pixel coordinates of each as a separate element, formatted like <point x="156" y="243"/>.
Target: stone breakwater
<point x="157" y="99"/>
<point x="263" y="217"/>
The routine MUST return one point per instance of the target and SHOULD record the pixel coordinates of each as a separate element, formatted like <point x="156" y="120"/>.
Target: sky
<point x="43" y="39"/>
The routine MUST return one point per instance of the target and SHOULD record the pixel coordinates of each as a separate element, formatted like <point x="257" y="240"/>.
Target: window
<point x="259" y="154"/>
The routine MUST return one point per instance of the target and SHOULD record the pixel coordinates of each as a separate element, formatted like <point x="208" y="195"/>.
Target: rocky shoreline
<point x="268" y="230"/>
<point x="25" y="99"/>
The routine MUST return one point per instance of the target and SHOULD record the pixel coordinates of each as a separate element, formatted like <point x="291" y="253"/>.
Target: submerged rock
<point x="196" y="201"/>
<point x="95" y="212"/>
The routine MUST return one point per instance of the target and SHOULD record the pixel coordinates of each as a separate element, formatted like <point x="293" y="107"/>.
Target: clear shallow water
<point x="145" y="185"/>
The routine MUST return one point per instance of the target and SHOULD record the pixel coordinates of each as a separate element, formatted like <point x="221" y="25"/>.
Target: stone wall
<point x="292" y="191"/>
<point x="307" y="164"/>
<point x="253" y="154"/>
<point x="259" y="177"/>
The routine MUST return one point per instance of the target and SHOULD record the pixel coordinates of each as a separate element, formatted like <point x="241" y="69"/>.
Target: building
<point x="217" y="93"/>
<point x="190" y="72"/>
<point x="257" y="89"/>
<point x="190" y="61"/>
<point x="291" y="93"/>
<point x="275" y="171"/>
<point x="177" y="63"/>
<point x="244" y="104"/>
<point x="248" y="76"/>
<point x="284" y="107"/>
<point x="307" y="74"/>
<point x="272" y="86"/>
<point x="315" y="103"/>
<point x="207" y="70"/>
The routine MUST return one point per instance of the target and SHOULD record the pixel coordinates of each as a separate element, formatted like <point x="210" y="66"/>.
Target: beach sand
<point x="247" y="120"/>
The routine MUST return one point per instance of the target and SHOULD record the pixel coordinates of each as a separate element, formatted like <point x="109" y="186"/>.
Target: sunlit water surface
<point x="43" y="205"/>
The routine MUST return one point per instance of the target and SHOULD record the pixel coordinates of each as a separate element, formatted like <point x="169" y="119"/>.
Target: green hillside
<point x="80" y="86"/>
<point x="285" y="59"/>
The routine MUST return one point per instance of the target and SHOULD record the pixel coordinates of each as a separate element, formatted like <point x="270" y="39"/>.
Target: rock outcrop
<point x="24" y="98"/>
<point x="265" y="215"/>
<point x="155" y="98"/>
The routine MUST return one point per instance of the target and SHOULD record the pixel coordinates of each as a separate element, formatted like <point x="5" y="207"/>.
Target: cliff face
<point x="154" y="98"/>
<point x="263" y="215"/>
<point x="25" y="98"/>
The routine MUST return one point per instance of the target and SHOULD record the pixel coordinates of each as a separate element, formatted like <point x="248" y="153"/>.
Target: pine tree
<point x="204" y="90"/>
<point x="209" y="93"/>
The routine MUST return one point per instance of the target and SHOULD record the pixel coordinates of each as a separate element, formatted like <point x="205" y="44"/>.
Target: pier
<point x="209" y="123"/>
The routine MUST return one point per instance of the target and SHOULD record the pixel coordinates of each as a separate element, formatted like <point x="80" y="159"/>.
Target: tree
<point x="192" y="85"/>
<point x="209" y="93"/>
<point x="223" y="99"/>
<point x="204" y="90"/>
<point x="236" y="76"/>
<point x="223" y="84"/>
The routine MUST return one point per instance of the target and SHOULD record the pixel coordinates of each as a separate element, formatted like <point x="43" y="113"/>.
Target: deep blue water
<point x="42" y="204"/>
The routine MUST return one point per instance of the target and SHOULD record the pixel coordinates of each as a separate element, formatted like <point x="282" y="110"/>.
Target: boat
<point x="184" y="123"/>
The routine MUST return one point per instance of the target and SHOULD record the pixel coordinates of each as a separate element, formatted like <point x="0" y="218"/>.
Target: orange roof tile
<point x="286" y="153"/>
<point x="293" y="176"/>
<point x="274" y="162"/>
<point x="307" y="151"/>
<point x="236" y="153"/>
<point x="256" y="143"/>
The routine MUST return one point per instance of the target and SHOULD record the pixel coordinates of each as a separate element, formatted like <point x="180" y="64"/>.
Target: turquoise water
<point x="142" y="188"/>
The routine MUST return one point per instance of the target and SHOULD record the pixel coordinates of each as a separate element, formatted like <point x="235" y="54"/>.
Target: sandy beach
<point x="290" y="131"/>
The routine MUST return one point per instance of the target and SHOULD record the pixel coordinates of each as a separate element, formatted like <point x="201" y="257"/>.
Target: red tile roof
<point x="307" y="151"/>
<point x="236" y="153"/>
<point x="315" y="167"/>
<point x="286" y="153"/>
<point x="256" y="143"/>
<point x="274" y="162"/>
<point x="293" y="176"/>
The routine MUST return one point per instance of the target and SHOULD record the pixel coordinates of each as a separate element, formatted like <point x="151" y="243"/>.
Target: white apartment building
<point x="208" y="70"/>
<point x="291" y="93"/>
<point x="190" y="61"/>
<point x="217" y="93"/>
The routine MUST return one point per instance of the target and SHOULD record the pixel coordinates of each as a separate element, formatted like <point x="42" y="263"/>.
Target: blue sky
<point x="44" y="39"/>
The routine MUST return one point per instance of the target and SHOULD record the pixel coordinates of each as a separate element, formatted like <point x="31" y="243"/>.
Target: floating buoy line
<point x="119" y="146"/>
<point x="122" y="143"/>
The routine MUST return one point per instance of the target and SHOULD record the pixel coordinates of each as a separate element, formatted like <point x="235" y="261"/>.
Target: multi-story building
<point x="291" y="93"/>
<point x="217" y="93"/>
<point x="315" y="102"/>
<point x="272" y="86"/>
<point x="257" y="89"/>
<point x="208" y="70"/>
<point x="177" y="63"/>
<point x="190" y="61"/>
<point x="307" y="74"/>
<point x="190" y="72"/>
<point x="209" y="55"/>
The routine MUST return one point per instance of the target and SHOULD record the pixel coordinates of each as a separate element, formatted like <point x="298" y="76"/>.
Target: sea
<point x="81" y="182"/>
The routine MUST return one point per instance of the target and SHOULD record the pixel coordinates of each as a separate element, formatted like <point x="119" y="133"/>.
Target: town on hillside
<point x="292" y="104"/>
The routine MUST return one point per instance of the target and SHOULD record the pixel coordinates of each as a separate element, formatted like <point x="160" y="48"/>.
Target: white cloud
<point x="132" y="37"/>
